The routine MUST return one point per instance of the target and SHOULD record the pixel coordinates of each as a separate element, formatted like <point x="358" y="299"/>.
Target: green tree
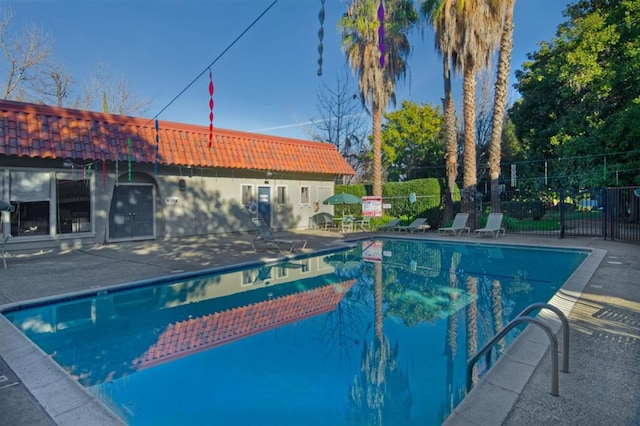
<point x="412" y="142"/>
<point x="377" y="78"/>
<point x="581" y="98"/>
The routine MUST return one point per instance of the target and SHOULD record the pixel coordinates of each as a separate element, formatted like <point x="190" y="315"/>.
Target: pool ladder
<point x="524" y="318"/>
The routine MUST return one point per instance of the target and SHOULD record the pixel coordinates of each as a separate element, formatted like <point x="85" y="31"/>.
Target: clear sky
<point x="266" y="82"/>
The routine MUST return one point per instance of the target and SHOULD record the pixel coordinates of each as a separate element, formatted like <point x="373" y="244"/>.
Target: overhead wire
<point x="264" y="12"/>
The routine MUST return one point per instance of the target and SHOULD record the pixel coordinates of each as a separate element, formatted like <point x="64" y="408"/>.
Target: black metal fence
<point x="609" y="213"/>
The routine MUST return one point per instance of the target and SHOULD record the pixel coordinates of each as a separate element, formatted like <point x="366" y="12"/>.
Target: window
<point x="304" y="195"/>
<point x="282" y="271"/>
<point x="30" y="194"/>
<point x="305" y="266"/>
<point x="281" y="195"/>
<point x="248" y="276"/>
<point x="247" y="194"/>
<point x="74" y="205"/>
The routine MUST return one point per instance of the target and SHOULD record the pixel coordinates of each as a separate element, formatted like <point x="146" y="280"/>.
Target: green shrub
<point x="428" y="201"/>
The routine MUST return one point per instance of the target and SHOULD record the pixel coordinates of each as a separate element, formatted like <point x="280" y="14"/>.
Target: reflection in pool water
<point x="377" y="334"/>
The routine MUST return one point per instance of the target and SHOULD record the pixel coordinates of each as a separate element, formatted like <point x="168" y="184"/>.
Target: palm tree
<point x="376" y="78"/>
<point x="470" y="32"/>
<point x="504" y="67"/>
<point x="439" y="13"/>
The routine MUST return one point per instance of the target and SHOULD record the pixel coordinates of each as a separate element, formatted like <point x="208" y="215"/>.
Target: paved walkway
<point x="603" y="386"/>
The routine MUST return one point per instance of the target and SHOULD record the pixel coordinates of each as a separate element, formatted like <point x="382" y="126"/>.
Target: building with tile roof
<point x="72" y="174"/>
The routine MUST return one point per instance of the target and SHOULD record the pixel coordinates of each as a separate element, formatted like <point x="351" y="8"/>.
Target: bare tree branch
<point x="342" y="121"/>
<point x="24" y="53"/>
<point x="112" y="95"/>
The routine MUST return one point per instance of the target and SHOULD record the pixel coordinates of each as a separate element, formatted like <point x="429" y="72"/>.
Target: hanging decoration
<point x="117" y="173"/>
<point x="210" y="108"/>
<point x="87" y="174"/>
<point x="155" y="164"/>
<point x="104" y="175"/>
<point x="129" y="154"/>
<point x="381" y="45"/>
<point x="321" y="36"/>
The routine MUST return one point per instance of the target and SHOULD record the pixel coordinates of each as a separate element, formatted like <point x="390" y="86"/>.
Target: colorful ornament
<point x="87" y="177"/>
<point x="210" y="108"/>
<point x="381" y="45"/>
<point x="155" y="164"/>
<point x="321" y="36"/>
<point x="104" y="175"/>
<point x="129" y="154"/>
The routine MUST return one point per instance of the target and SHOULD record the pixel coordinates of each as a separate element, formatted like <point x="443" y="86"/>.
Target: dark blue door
<point x="264" y="204"/>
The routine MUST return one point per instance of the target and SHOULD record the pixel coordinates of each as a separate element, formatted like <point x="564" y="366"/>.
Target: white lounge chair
<point x="418" y="225"/>
<point x="264" y="233"/>
<point x="389" y="225"/>
<point x="458" y="226"/>
<point x="493" y="226"/>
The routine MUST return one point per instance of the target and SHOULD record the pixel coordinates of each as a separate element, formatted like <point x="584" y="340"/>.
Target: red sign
<point x="372" y="206"/>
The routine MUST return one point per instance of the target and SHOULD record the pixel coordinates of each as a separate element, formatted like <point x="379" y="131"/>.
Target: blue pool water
<point x="378" y="334"/>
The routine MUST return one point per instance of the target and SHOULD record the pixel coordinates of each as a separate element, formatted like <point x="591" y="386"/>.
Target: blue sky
<point x="266" y="82"/>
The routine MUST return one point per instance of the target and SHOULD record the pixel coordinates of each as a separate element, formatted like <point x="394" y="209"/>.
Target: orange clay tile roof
<point x="39" y="131"/>
<point x="196" y="334"/>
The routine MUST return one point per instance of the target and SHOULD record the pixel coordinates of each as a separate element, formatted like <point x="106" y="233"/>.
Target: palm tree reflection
<point x="380" y="393"/>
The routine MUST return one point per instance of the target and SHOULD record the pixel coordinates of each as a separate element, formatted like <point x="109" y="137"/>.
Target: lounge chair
<point x="458" y="226"/>
<point x="493" y="226"/>
<point x="3" y="243"/>
<point x="389" y="225"/>
<point x="418" y="225"/>
<point x="265" y="235"/>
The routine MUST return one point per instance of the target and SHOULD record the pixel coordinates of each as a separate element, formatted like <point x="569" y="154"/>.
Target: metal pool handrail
<point x="486" y="349"/>
<point x="565" y="329"/>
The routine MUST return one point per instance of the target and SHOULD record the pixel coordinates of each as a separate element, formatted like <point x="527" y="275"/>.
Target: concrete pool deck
<point x="602" y="299"/>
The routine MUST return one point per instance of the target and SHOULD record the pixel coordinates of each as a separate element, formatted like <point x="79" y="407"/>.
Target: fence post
<point x="562" y="213"/>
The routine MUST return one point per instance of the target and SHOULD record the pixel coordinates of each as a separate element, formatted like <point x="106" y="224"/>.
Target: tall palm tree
<point x="479" y="26"/>
<point x="376" y="79"/>
<point x="470" y="32"/>
<point x="499" y="103"/>
<point x="440" y="14"/>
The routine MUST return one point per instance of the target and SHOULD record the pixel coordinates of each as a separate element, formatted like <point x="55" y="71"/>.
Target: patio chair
<point x="418" y="225"/>
<point x="3" y="243"/>
<point x="493" y="226"/>
<point x="348" y="222"/>
<point x="458" y="226"/>
<point x="364" y="224"/>
<point x="389" y="225"/>
<point x="266" y="236"/>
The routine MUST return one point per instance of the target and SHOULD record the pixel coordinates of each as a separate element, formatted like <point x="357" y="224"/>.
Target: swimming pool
<point x="375" y="334"/>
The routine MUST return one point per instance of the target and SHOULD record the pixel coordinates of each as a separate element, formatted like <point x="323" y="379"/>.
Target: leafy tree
<point x="581" y="98"/>
<point x="412" y="142"/>
<point x="377" y="76"/>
